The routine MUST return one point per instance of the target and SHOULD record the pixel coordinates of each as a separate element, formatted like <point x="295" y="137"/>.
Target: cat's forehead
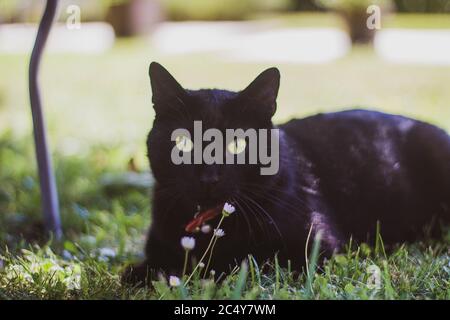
<point x="212" y="106"/>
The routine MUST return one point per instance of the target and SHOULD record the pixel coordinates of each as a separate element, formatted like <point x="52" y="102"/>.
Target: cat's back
<point x="354" y="143"/>
<point x="373" y="166"/>
<point x="347" y="122"/>
<point x="360" y="132"/>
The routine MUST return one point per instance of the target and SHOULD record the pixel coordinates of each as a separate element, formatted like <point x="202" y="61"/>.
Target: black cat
<point x="339" y="173"/>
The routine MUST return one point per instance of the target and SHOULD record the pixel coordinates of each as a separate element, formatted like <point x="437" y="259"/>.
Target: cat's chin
<point x="202" y="207"/>
<point x="208" y="205"/>
<point x="203" y="215"/>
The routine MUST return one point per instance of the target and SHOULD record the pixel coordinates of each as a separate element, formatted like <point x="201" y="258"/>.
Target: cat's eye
<point x="183" y="143"/>
<point x="237" y="146"/>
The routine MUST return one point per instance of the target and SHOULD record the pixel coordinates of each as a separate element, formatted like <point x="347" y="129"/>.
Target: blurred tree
<point x="12" y="11"/>
<point x="133" y="17"/>
<point x="306" y="5"/>
<point x="221" y="10"/>
<point x="356" y="16"/>
<point x="429" y="6"/>
<point x="426" y="6"/>
<point x="26" y="11"/>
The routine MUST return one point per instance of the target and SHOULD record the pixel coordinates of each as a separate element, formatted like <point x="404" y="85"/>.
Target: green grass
<point x="419" y="21"/>
<point x="99" y="112"/>
<point x="333" y="20"/>
<point x="104" y="230"/>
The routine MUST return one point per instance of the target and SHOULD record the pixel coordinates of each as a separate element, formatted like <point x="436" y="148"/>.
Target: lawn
<point x="98" y="113"/>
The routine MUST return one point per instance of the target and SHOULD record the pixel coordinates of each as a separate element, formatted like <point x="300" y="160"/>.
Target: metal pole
<point x="49" y="195"/>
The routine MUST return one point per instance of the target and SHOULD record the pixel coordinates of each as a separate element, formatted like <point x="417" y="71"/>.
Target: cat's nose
<point x="209" y="177"/>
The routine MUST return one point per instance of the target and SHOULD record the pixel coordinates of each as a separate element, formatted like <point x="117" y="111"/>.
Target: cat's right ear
<point x="166" y="91"/>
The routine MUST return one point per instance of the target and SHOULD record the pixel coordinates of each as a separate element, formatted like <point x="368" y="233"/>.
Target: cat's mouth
<point x="203" y="215"/>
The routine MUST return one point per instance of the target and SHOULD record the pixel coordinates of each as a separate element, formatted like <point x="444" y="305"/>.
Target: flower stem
<point x="205" y="253"/>
<point x="210" y="256"/>
<point x="186" y="256"/>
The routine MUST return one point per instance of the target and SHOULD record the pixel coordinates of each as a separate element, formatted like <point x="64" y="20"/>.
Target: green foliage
<point x="435" y="6"/>
<point x="414" y="272"/>
<point x="352" y="5"/>
<point x="220" y="10"/>
<point x="104" y="232"/>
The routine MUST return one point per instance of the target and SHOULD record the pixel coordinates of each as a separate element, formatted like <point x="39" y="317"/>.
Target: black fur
<point x="339" y="173"/>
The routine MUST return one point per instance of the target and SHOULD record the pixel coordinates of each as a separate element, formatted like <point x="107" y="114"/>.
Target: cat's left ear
<point x="166" y="90"/>
<point x="261" y="95"/>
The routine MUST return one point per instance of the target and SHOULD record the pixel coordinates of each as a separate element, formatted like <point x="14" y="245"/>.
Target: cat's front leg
<point x="139" y="274"/>
<point x="160" y="259"/>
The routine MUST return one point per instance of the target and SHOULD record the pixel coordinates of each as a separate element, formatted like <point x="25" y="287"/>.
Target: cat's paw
<point x="137" y="275"/>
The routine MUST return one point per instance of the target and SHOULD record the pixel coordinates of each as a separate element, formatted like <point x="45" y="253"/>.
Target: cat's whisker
<point x="261" y="223"/>
<point x="265" y="190"/>
<point x="258" y="220"/>
<point x="272" y="221"/>
<point x="244" y="215"/>
<point x="277" y="201"/>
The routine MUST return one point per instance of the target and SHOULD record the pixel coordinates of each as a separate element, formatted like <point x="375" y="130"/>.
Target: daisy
<point x="219" y="233"/>
<point x="188" y="243"/>
<point x="228" y="209"/>
<point x="174" y="281"/>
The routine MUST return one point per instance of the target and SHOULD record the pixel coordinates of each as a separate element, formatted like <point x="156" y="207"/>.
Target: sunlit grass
<point x="107" y="98"/>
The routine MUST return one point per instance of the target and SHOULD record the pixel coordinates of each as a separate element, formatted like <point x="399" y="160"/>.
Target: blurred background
<point x="97" y="97"/>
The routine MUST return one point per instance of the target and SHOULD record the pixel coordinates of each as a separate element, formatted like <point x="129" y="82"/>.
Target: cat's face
<point x="207" y="185"/>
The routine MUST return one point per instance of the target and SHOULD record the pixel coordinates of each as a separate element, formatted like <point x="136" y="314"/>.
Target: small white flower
<point x="228" y="209"/>
<point x="188" y="243"/>
<point x="107" y="252"/>
<point x="174" y="281"/>
<point x="34" y="267"/>
<point x="219" y="233"/>
<point x="55" y="268"/>
<point x="73" y="282"/>
<point x="201" y="265"/>
<point x="213" y="272"/>
<point x="206" y="228"/>
<point x="67" y="255"/>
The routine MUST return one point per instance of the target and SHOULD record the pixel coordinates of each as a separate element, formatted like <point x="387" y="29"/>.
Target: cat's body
<point x="339" y="174"/>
